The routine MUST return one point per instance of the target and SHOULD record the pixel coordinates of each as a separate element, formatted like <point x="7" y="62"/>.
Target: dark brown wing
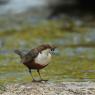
<point x="30" y="56"/>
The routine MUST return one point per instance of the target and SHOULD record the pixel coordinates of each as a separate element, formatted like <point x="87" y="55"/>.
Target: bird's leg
<point x="31" y="75"/>
<point x="40" y="76"/>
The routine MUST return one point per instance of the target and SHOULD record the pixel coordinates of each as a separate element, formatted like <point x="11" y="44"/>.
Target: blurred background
<point x="69" y="24"/>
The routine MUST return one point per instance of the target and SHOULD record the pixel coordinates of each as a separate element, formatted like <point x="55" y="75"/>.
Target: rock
<point x="64" y="88"/>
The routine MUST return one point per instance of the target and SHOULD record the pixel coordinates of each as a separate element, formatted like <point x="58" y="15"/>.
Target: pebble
<point x="64" y="88"/>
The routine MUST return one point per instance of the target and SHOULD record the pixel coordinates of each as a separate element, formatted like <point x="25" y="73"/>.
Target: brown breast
<point x="33" y="65"/>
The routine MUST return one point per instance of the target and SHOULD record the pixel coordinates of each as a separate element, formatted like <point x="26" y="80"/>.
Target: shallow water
<point x="72" y="61"/>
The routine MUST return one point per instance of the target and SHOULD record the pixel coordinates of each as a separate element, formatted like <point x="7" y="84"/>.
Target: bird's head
<point x="47" y="48"/>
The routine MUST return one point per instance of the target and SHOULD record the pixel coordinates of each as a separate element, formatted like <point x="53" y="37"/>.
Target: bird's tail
<point x="19" y="53"/>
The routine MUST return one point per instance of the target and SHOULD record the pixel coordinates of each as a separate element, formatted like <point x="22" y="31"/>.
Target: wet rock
<point x="64" y="88"/>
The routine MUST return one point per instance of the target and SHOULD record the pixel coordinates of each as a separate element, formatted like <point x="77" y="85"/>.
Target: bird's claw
<point x="34" y="80"/>
<point x="42" y="80"/>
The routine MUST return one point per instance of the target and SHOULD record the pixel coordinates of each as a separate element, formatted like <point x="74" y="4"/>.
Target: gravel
<point x="48" y="88"/>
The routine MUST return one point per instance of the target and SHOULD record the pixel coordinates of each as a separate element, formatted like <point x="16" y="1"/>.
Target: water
<point x="17" y="6"/>
<point x="73" y="61"/>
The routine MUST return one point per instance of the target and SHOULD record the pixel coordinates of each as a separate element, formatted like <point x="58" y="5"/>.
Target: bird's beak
<point x="52" y="52"/>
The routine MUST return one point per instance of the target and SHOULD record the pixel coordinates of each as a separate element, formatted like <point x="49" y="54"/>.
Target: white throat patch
<point x="44" y="57"/>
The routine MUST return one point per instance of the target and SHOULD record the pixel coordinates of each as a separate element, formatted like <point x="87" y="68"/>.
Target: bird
<point x="37" y="58"/>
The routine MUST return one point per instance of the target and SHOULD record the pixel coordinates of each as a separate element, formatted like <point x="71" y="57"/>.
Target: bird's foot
<point x="34" y="80"/>
<point x="41" y="80"/>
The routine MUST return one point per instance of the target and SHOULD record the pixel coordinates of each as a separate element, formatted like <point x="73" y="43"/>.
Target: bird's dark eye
<point x="52" y="49"/>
